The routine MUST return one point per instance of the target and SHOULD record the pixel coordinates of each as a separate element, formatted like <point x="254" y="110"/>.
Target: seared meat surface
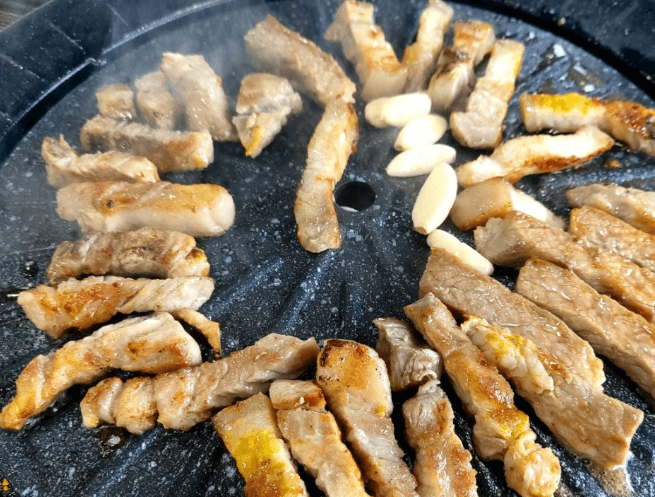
<point x="211" y="330"/>
<point x="155" y="102"/>
<point x="116" y="101"/>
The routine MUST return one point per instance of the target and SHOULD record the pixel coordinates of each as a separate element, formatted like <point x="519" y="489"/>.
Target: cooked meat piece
<point x="65" y="166"/>
<point x="205" y="104"/>
<point x="169" y="150"/>
<point x="116" y="101"/>
<point x="334" y="140"/>
<point x="613" y="234"/>
<point x="210" y="329"/>
<point x="356" y="386"/>
<point x="151" y="344"/>
<point x="315" y="438"/>
<point x="144" y="252"/>
<point x="116" y="206"/>
<point x="635" y="207"/>
<point x="481" y="126"/>
<point x="472" y="40"/>
<point x="249" y="431"/>
<point x="421" y="56"/>
<point x="626" y="121"/>
<point x="274" y="48"/>
<point x="409" y="361"/>
<point x="501" y="431"/>
<point x="623" y="337"/>
<point x="535" y="154"/>
<point x="594" y="426"/>
<point x="496" y="197"/>
<point x="442" y="465"/>
<point x="83" y="303"/>
<point x="97" y="406"/>
<point x="470" y="293"/>
<point x="263" y="105"/>
<point x="363" y="44"/>
<point x="517" y="237"/>
<point x="155" y="102"/>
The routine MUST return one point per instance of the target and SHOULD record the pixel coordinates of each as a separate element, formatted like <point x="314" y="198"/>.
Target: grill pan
<point x="51" y="64"/>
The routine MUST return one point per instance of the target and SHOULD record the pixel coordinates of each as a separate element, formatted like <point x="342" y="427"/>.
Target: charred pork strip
<point x="143" y="252"/>
<point x="83" y="303"/>
<point x="356" y="386"/>
<point x="623" y="337"/>
<point x="151" y="344"/>
<point x="210" y="329"/>
<point x="591" y="424"/>
<point x="635" y="207"/>
<point x="334" y="140"/>
<point x="626" y="121"/>
<point x="274" y="48"/>
<point x="115" y="206"/>
<point x="501" y="431"/>
<point x="169" y="150"/>
<point x="65" y="166"/>
<point x="116" y="101"/>
<point x="155" y="102"/>
<point x="410" y="362"/>
<point x="315" y="438"/>
<point x="535" y="154"/>
<point x="250" y="433"/>
<point x="517" y="237"/>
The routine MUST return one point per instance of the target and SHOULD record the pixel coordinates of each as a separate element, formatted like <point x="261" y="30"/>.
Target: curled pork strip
<point x="155" y="102"/>
<point x="116" y="101"/>
<point x="211" y="330"/>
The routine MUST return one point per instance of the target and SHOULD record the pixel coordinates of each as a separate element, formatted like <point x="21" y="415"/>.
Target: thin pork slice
<point x="155" y="102"/>
<point x="116" y="101"/>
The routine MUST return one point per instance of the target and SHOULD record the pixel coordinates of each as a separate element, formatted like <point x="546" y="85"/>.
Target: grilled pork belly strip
<point x="169" y="150"/>
<point x="626" y="121"/>
<point x="65" y="166"/>
<point x="116" y="101"/>
<point x="363" y="44"/>
<point x="501" y="431"/>
<point x="143" y="252"/>
<point x="83" y="303"/>
<point x="535" y="154"/>
<point x="356" y="386"/>
<point x="155" y="102"/>
<point x="250" y="433"/>
<point x="116" y="206"/>
<point x="442" y="465"/>
<point x="517" y="237"/>
<point x="481" y="126"/>
<point x="274" y="48"/>
<point x="210" y="329"/>
<point x="151" y="344"/>
<point x="334" y="140"/>
<point x="623" y="337"/>
<point x="315" y="438"/>
<point x="635" y="207"/>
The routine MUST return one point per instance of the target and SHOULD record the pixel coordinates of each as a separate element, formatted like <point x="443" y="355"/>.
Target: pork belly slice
<point x="155" y="102"/>
<point x="170" y="151"/>
<point x="481" y="126"/>
<point x="274" y="48"/>
<point x="151" y="344"/>
<point x="211" y="330"/>
<point x="250" y="433"/>
<point x="200" y="89"/>
<point x="421" y="56"/>
<point x="356" y="386"/>
<point x="591" y="424"/>
<point x="442" y="465"/>
<point x="626" y="121"/>
<point x="116" y="101"/>
<point x="625" y="338"/>
<point x="264" y="103"/>
<point x="409" y="360"/>
<point x="535" y="154"/>
<point x="496" y="197"/>
<point x="143" y="252"/>
<point x="65" y="166"/>
<point x="116" y="206"/>
<point x="315" y="438"/>
<point x="472" y="40"/>
<point x="501" y="431"/>
<point x="334" y="140"/>
<point x="471" y="293"/>
<point x="364" y="44"/>
<point x="517" y="237"/>
<point x="84" y="303"/>
<point x="635" y="207"/>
